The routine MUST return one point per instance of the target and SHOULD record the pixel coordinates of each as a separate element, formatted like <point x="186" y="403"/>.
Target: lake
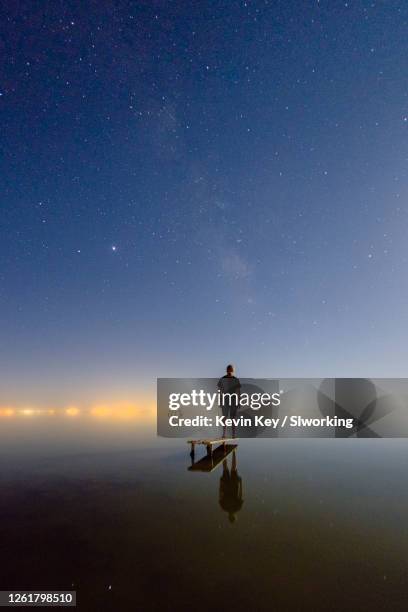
<point x="106" y="508"/>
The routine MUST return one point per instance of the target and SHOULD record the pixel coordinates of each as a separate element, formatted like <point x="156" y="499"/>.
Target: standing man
<point x="230" y="386"/>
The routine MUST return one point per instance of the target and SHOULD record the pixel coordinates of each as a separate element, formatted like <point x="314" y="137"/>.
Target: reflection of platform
<point x="213" y="460"/>
<point x="209" y="444"/>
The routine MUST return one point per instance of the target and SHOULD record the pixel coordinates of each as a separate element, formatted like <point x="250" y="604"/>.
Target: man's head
<point x="230" y="369"/>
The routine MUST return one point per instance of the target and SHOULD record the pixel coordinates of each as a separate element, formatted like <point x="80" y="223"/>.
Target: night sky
<point x="187" y="184"/>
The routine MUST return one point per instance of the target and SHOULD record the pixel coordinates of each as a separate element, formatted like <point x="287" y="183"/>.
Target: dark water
<point x="110" y="511"/>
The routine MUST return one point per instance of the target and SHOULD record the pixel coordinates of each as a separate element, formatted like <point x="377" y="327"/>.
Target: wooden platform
<point x="209" y="444"/>
<point x="211" y="462"/>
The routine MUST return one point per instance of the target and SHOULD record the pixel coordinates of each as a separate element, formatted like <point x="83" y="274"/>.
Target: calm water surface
<point x="111" y="511"/>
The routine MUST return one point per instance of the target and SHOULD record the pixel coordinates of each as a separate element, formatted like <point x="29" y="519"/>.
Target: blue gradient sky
<point x="189" y="184"/>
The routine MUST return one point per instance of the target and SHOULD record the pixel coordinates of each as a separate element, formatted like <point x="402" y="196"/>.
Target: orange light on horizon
<point x="72" y="411"/>
<point x="7" y="412"/>
<point x="27" y="411"/>
<point x="122" y="411"/>
<point x="115" y="411"/>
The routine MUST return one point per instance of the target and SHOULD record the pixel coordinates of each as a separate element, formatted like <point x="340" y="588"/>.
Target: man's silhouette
<point x="230" y="494"/>
<point x="229" y="384"/>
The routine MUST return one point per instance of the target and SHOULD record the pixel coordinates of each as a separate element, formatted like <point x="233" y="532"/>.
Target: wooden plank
<point x="212" y="442"/>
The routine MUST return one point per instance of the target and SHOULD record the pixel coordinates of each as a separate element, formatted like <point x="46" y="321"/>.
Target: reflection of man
<point x="230" y="386"/>
<point x="231" y="489"/>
